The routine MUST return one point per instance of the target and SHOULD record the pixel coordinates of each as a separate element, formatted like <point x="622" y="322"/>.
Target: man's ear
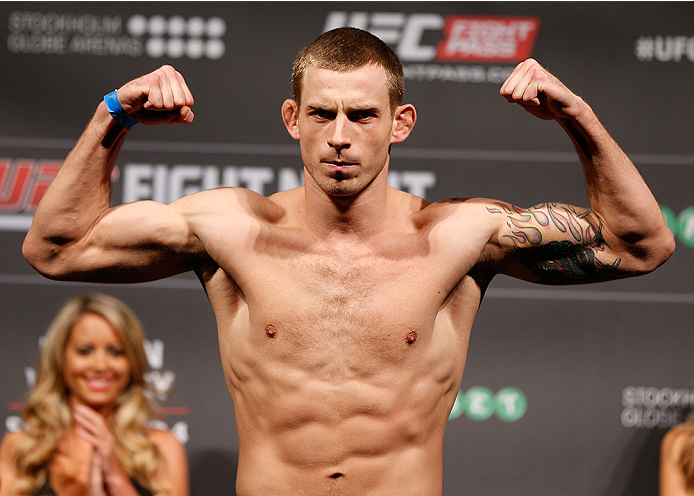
<point x="290" y="116"/>
<point x="403" y="122"/>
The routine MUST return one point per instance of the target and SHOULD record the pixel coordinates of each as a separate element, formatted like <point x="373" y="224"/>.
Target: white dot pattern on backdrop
<point x="177" y="37"/>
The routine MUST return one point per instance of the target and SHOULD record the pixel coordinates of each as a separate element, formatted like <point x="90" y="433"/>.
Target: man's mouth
<point x="339" y="163"/>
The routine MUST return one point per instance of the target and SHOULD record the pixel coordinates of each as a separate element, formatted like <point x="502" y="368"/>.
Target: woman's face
<point x="96" y="367"/>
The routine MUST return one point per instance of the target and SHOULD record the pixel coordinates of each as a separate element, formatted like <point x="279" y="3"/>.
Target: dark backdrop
<point x="567" y="390"/>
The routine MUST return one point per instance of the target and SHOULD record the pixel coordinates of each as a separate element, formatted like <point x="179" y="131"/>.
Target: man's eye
<point x="360" y="116"/>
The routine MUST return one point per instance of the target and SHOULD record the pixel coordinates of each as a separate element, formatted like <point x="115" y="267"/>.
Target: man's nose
<point x="339" y="138"/>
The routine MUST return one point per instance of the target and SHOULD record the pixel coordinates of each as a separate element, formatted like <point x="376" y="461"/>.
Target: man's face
<point x="345" y="126"/>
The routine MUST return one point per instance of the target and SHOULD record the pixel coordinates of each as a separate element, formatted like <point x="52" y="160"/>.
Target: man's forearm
<point x="616" y="190"/>
<point x="80" y="192"/>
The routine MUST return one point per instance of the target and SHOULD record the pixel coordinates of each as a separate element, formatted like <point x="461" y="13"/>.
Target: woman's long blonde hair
<point x="47" y="413"/>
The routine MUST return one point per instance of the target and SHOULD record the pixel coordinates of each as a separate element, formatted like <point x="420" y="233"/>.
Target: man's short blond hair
<point x="346" y="49"/>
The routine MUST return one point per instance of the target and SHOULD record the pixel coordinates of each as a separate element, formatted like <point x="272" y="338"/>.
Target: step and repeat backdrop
<point x="567" y="390"/>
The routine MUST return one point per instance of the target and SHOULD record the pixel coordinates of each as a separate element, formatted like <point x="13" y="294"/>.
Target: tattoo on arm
<point x="558" y="243"/>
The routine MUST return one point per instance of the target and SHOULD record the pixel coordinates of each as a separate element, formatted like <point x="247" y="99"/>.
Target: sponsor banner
<point x="655" y="407"/>
<point x="664" y="48"/>
<point x="682" y="225"/>
<point x="462" y="39"/>
<point x="155" y="36"/>
<point x="24" y="181"/>
<point x="480" y="403"/>
<point x="488" y="39"/>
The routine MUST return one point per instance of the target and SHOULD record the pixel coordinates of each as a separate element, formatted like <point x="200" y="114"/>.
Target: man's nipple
<point x="270" y="331"/>
<point x="411" y="337"/>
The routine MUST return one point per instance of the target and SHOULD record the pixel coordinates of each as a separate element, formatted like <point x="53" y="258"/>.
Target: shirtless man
<point x="344" y="306"/>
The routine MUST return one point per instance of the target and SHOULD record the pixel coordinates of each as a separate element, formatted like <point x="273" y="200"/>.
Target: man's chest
<point x="402" y="277"/>
<point x="342" y="310"/>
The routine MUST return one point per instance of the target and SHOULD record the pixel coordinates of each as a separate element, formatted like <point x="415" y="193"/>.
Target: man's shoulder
<point x="237" y="201"/>
<point x="225" y="193"/>
<point x="456" y="209"/>
<point x="464" y="203"/>
<point x="473" y="223"/>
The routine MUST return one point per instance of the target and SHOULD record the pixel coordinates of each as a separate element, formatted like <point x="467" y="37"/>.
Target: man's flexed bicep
<point x="75" y="234"/>
<point x="622" y="234"/>
<point x="135" y="242"/>
<point x="553" y="243"/>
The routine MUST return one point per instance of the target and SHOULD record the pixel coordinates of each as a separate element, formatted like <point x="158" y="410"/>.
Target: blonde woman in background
<point x="86" y="420"/>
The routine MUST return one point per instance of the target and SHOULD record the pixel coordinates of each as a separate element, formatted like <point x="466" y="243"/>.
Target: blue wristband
<point x="117" y="112"/>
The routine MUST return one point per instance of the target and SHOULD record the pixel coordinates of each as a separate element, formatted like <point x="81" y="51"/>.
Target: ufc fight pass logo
<point x="423" y="40"/>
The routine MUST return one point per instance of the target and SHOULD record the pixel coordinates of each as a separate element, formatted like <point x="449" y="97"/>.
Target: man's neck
<point x="361" y="215"/>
